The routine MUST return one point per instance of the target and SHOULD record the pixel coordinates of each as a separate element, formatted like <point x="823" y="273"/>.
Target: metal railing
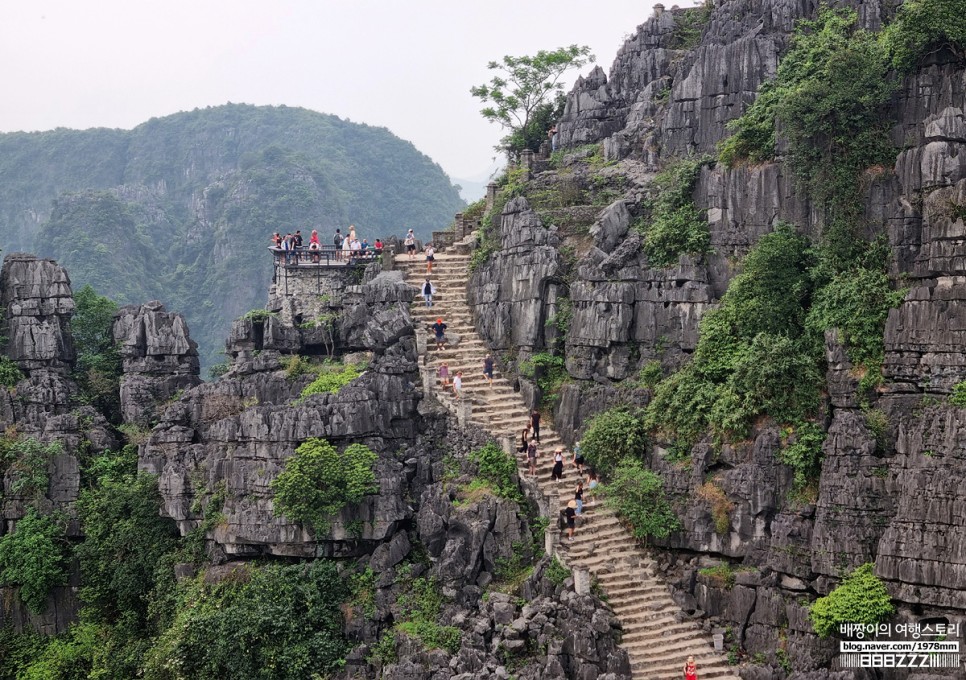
<point x="324" y="256"/>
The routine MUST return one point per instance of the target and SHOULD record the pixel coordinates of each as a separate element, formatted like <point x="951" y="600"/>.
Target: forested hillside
<point x="181" y="207"/>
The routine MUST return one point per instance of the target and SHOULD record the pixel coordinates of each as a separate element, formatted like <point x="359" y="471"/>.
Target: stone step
<point x="657" y="637"/>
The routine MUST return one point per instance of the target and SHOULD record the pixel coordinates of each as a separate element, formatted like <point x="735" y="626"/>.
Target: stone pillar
<point x="464" y="411"/>
<point x="490" y="196"/>
<point x="506" y="443"/>
<point x="460" y="231"/>
<point x="582" y="581"/>
<point x="552" y="535"/>
<point x="658" y="10"/>
<point x="388" y="260"/>
<point x="526" y="162"/>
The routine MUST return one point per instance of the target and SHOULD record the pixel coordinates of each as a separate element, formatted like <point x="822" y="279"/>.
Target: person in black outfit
<point x="571" y="514"/>
<point x="557" y="473"/>
<point x="298" y="238"/>
<point x="535" y="424"/>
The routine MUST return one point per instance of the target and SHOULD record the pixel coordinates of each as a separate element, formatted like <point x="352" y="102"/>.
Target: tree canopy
<point x="528" y="89"/>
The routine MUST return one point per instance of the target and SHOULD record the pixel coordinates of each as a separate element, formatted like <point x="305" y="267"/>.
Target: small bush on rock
<point x="958" y="397"/>
<point x="499" y="469"/>
<point x="318" y="482"/>
<point x="34" y="558"/>
<point x="861" y="598"/>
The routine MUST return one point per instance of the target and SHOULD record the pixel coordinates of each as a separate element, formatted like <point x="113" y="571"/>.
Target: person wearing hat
<point x="439" y="330"/>
<point x="571" y="514"/>
<point x="557" y="473"/>
<point x="410" y="242"/>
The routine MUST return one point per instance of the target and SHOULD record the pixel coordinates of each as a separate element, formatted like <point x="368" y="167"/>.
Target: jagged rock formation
<point x="36" y="296"/>
<point x="159" y="359"/>
<point x="887" y="493"/>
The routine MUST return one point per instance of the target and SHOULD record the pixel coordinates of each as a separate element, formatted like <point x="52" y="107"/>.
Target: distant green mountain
<point x="181" y="208"/>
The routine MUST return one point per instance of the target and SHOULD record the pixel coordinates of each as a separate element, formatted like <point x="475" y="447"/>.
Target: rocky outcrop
<point x="159" y="359"/>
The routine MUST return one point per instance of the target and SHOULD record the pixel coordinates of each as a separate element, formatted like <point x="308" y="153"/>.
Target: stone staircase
<point x="658" y="636"/>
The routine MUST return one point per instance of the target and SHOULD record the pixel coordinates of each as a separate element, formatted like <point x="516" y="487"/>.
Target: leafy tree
<point x="860" y="598"/>
<point x="98" y="370"/>
<point x="637" y="494"/>
<point x="527" y="90"/>
<point x="499" y="469"/>
<point x="34" y="557"/>
<point x="318" y="481"/>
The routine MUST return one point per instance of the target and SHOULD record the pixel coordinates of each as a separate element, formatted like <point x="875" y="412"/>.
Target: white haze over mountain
<point x="407" y="66"/>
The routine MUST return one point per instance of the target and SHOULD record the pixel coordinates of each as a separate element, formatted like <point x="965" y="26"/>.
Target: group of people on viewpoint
<point x="346" y="247"/>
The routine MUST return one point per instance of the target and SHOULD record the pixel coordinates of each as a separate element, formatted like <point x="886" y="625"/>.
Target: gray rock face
<point x="37" y="297"/>
<point x="38" y="302"/>
<point x="159" y="359"/>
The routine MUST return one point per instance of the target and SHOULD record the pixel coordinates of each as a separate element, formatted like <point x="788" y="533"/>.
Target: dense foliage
<point x="278" y="622"/>
<point x="921" y="26"/>
<point x="637" y="495"/>
<point x="10" y="373"/>
<point x="27" y="461"/>
<point x="253" y="171"/>
<point x="34" y="557"/>
<point x="753" y="355"/>
<point x="676" y="226"/>
<point x="318" y="481"/>
<point x="611" y="436"/>
<point x="860" y="598"/>
<point x="98" y="369"/>
<point x="421" y="606"/>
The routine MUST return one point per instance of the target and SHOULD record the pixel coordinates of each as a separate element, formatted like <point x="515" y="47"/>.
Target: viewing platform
<point x="324" y="256"/>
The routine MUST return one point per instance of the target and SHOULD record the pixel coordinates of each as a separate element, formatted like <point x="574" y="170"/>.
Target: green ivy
<point x="555" y="572"/>
<point x="547" y="370"/>
<point x="318" y="482"/>
<point x="98" y="368"/>
<point x="421" y="607"/>
<point x="958" y="397"/>
<point x="803" y="452"/>
<point x="34" y="557"/>
<point x="861" y="598"/>
<point x="29" y="462"/>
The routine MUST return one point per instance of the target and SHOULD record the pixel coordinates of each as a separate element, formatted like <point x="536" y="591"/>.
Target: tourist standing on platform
<point x="410" y="242"/>
<point x="277" y="240"/>
<point x="298" y="238"/>
<point x="346" y="247"/>
<point x="352" y="232"/>
<point x="429" y="290"/>
<point x="287" y="247"/>
<point x="314" y="238"/>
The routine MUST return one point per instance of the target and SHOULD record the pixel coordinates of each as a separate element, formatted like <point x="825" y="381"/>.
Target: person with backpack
<point x="337" y="242"/>
<point x="571" y="515"/>
<point x="439" y="330"/>
<point x="410" y="243"/>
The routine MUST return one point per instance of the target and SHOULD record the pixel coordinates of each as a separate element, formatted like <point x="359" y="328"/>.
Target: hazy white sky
<point x="407" y="66"/>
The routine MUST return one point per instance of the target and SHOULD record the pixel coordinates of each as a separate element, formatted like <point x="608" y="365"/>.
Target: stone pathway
<point x="658" y="636"/>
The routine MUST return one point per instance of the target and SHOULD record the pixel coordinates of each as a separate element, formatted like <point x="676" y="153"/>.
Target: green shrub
<point x="857" y="302"/>
<point x="556" y="573"/>
<point x="29" y="462"/>
<point x="637" y="494"/>
<point x="803" y="452"/>
<point x="548" y="371"/>
<point x="122" y="516"/>
<point x="279" y="622"/>
<point x="258" y="315"/>
<point x="651" y="374"/>
<point x="720" y="506"/>
<point x="753" y="356"/>
<point x="923" y="25"/>
<point x="613" y="436"/>
<point x="10" y="373"/>
<point x="721" y="576"/>
<point x="676" y="227"/>
<point x="331" y="379"/>
<point x="689" y="25"/>
<point x="421" y="603"/>
<point x="215" y="371"/>
<point x="958" y="397"/>
<point x="860" y="598"/>
<point x="71" y="656"/>
<point x="499" y="469"/>
<point x="318" y="482"/>
<point x="34" y="558"/>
